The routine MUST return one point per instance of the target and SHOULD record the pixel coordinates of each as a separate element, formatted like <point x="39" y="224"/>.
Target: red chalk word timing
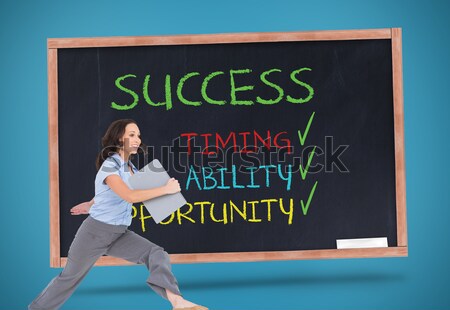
<point x="250" y="141"/>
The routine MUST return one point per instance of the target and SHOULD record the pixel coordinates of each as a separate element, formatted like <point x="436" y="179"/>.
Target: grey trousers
<point x="94" y="239"/>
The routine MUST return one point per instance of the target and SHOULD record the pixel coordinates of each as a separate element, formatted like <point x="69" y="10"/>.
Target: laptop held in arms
<point x="151" y="176"/>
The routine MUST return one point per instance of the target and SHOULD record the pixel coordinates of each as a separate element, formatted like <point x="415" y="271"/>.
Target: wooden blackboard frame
<point x="393" y="34"/>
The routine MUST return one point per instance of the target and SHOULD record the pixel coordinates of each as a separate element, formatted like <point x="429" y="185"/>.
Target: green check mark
<point x="308" y="164"/>
<point x="303" y="137"/>
<point x="311" y="194"/>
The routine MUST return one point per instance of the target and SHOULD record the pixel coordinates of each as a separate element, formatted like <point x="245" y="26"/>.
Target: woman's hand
<point x="82" y="208"/>
<point x="172" y="186"/>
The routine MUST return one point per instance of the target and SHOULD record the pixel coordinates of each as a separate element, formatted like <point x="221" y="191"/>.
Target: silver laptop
<point x="151" y="176"/>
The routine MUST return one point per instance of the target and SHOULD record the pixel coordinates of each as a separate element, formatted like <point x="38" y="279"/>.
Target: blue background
<point x="416" y="282"/>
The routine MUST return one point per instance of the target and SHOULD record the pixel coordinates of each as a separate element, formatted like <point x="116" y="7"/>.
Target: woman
<point x="105" y="229"/>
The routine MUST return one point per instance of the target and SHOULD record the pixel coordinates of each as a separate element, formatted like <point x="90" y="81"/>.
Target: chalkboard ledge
<point x="264" y="256"/>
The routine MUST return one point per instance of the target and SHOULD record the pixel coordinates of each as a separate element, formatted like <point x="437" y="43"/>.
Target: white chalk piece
<point x="362" y="243"/>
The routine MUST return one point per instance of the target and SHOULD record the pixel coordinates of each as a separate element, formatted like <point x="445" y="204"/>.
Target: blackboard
<point x="282" y="143"/>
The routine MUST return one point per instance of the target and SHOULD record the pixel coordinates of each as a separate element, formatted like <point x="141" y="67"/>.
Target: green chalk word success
<point x="230" y="77"/>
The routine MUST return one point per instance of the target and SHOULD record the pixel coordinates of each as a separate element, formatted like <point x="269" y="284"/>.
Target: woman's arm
<point x="82" y="208"/>
<point x="123" y="191"/>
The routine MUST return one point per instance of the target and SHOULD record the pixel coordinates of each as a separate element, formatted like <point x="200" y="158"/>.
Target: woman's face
<point x="131" y="139"/>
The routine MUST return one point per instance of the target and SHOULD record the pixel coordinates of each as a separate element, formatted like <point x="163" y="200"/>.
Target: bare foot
<point x="178" y="301"/>
<point x="184" y="304"/>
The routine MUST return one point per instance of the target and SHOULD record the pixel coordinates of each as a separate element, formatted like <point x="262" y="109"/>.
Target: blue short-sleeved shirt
<point x="108" y="207"/>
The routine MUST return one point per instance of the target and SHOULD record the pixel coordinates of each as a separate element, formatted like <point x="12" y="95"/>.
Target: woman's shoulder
<point x="112" y="161"/>
<point x="111" y="165"/>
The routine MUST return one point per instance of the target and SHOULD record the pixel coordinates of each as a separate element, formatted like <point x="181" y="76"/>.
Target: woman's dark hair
<point x="111" y="140"/>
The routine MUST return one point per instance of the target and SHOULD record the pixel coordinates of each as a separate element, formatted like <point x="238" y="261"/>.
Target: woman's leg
<point x="87" y="246"/>
<point x="137" y="249"/>
<point x="134" y="248"/>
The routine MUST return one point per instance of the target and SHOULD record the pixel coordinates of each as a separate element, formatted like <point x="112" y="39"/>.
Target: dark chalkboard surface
<point x="281" y="147"/>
